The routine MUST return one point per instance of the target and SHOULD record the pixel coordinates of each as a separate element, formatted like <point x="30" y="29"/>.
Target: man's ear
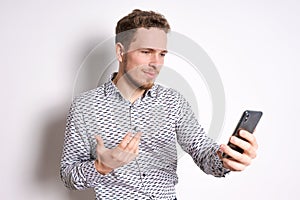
<point x="119" y="51"/>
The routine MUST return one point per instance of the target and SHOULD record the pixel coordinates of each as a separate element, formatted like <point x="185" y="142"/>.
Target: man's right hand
<point x="110" y="159"/>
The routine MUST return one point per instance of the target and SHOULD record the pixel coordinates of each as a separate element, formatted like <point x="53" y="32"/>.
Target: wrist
<point x="101" y="168"/>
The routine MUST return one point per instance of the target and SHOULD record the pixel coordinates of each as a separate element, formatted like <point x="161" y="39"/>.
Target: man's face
<point x="145" y="57"/>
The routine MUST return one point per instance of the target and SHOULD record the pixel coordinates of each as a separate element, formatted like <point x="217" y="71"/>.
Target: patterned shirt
<point x="162" y="115"/>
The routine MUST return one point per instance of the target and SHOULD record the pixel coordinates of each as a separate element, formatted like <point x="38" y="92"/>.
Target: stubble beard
<point x="145" y="86"/>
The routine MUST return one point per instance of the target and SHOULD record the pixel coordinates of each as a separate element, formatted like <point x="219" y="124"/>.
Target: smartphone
<point x="247" y="122"/>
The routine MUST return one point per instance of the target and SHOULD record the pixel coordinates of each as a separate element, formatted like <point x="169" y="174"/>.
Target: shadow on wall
<point x="48" y="166"/>
<point x="49" y="162"/>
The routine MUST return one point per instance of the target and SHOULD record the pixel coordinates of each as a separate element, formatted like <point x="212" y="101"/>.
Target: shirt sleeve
<point x="77" y="169"/>
<point x="193" y="140"/>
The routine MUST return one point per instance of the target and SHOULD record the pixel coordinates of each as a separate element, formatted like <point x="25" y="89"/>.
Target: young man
<point x="121" y="137"/>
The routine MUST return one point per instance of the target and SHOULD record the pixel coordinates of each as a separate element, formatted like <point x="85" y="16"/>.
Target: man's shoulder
<point x="89" y="95"/>
<point x="164" y="91"/>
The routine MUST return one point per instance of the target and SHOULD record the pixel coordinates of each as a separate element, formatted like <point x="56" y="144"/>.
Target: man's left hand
<point x="239" y="161"/>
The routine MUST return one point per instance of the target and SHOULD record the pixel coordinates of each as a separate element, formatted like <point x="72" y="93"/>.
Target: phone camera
<point x="247" y="116"/>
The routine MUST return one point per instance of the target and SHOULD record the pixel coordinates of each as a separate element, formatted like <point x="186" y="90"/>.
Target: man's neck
<point x="127" y="89"/>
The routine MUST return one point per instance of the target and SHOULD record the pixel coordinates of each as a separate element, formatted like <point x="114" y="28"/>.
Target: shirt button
<point x="144" y="174"/>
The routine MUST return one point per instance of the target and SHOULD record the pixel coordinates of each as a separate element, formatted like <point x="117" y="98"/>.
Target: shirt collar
<point x="111" y="88"/>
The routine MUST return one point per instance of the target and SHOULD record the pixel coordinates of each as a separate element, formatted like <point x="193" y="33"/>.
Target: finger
<point x="134" y="143"/>
<point x="136" y="152"/>
<point x="100" y="145"/>
<point x="233" y="165"/>
<point x="125" y="141"/>
<point x="249" y="137"/>
<point x="122" y="157"/>
<point x="245" y="145"/>
<point x="99" y="140"/>
<point x="219" y="153"/>
<point x="235" y="155"/>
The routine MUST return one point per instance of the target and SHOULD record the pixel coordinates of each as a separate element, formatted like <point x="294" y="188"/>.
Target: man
<point x="121" y="137"/>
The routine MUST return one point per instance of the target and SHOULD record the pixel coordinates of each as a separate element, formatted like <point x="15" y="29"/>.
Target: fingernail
<point x="242" y="132"/>
<point x="232" y="139"/>
<point x="222" y="147"/>
<point x="138" y="134"/>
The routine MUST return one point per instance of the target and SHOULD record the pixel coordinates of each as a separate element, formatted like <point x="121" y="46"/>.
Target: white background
<point x="254" y="44"/>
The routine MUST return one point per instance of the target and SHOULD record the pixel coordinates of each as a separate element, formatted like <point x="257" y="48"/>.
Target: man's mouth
<point x="150" y="74"/>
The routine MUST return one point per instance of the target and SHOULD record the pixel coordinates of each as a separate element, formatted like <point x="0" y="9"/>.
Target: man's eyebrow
<point x="151" y="49"/>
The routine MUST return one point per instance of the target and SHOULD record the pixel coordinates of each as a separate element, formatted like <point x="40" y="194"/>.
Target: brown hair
<point x="126" y="27"/>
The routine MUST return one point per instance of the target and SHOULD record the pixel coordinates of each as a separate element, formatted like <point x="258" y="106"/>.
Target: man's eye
<point x="145" y="52"/>
<point x="163" y="54"/>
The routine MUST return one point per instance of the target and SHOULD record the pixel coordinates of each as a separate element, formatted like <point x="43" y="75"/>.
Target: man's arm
<point x="193" y="140"/>
<point x="77" y="168"/>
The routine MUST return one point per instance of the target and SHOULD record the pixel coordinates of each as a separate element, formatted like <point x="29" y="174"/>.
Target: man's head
<point x="141" y="39"/>
<point x="128" y="25"/>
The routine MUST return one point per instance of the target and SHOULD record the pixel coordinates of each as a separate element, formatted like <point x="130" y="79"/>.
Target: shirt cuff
<point x="223" y="171"/>
<point x="93" y="177"/>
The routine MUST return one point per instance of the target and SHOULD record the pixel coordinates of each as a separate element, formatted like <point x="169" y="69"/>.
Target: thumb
<point x="99" y="140"/>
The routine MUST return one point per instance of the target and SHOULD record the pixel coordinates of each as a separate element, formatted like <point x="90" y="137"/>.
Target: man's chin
<point x="147" y="86"/>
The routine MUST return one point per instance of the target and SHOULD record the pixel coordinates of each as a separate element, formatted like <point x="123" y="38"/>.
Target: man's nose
<point x="156" y="60"/>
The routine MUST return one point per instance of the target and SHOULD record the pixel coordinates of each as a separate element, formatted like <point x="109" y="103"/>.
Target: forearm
<point x="208" y="160"/>
<point x="193" y="139"/>
<point x="80" y="175"/>
<point x="77" y="166"/>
